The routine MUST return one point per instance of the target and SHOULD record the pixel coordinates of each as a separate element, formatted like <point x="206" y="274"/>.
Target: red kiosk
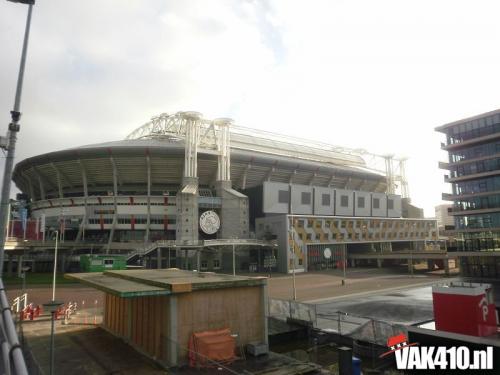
<point x="466" y="308"/>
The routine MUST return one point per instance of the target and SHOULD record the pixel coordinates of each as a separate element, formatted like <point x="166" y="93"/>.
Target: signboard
<point x="209" y="222"/>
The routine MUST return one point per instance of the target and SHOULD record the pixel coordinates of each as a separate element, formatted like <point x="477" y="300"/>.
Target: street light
<point x="293" y="251"/>
<point x="9" y="142"/>
<point x="53" y="306"/>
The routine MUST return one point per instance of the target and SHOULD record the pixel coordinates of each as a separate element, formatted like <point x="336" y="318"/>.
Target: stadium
<point x="189" y="192"/>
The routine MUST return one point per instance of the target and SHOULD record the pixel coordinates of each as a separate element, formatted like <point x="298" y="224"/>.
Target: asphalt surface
<point x="404" y="306"/>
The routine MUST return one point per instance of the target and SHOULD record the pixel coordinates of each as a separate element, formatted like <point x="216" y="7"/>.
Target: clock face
<point x="209" y="222"/>
<point x="327" y="253"/>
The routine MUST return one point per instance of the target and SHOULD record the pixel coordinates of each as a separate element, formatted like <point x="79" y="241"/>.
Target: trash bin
<point x="356" y="366"/>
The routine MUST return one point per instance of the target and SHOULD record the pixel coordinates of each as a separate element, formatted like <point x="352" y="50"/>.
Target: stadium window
<point x="216" y="264"/>
<point x="204" y="265"/>
<point x="361" y="202"/>
<point x="390" y="204"/>
<point x="282" y="196"/>
<point x="325" y="199"/>
<point x="306" y="198"/>
<point x="344" y="201"/>
<point x="376" y="202"/>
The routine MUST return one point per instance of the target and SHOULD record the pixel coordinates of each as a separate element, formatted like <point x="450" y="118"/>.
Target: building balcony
<point x="472" y="176"/>
<point x="443" y="165"/>
<point x="458" y="211"/>
<point x="469" y="142"/>
<point x="454" y="197"/>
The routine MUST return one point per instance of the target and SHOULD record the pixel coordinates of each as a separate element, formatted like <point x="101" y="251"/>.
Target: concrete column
<point x="379" y="263"/>
<point x="410" y="265"/>
<point x="353" y="263"/>
<point x="63" y="263"/>
<point x="430" y="264"/>
<point x="447" y="267"/>
<point x="19" y="265"/>
<point x="10" y="265"/>
<point x="158" y="258"/>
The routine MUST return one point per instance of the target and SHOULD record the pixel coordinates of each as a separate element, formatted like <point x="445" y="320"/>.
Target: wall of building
<point x="309" y="230"/>
<point x="362" y="203"/>
<point x="240" y="309"/>
<point x="344" y="202"/>
<point x="394" y="209"/>
<point x="146" y="322"/>
<point x="276" y="197"/>
<point x="324" y="201"/>
<point x="314" y="200"/>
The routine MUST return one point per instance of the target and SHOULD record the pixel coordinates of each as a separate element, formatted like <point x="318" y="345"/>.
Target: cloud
<point x="377" y="75"/>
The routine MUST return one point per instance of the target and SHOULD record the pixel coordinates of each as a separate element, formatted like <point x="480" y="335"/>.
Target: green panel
<point x="102" y="262"/>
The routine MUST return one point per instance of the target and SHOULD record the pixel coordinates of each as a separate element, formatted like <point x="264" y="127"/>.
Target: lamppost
<point x="293" y="250"/>
<point x="53" y="306"/>
<point x="9" y="142"/>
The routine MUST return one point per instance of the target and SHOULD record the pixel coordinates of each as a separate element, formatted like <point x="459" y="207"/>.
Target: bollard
<point x="345" y="360"/>
<point x="84" y="312"/>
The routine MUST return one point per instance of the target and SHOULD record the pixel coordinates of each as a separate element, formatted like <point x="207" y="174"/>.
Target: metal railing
<point x="16" y="305"/>
<point x="12" y="354"/>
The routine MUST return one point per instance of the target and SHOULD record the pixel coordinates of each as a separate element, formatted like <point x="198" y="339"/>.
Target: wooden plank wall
<point x="147" y="322"/>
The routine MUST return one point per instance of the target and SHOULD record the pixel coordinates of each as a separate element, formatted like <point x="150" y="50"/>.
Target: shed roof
<point x="139" y="283"/>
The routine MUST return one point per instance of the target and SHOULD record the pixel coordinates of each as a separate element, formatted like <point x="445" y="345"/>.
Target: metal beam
<point x="59" y="183"/>
<point x="86" y="172"/>
<point x="269" y="173"/>
<point x="244" y="176"/>
<point x="30" y="185"/>
<point x="63" y="175"/>
<point x="148" y="199"/>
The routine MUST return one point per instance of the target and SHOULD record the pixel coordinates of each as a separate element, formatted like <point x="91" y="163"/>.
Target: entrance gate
<point x="324" y="256"/>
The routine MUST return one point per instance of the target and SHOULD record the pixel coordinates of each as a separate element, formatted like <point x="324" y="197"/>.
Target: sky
<point x="378" y="75"/>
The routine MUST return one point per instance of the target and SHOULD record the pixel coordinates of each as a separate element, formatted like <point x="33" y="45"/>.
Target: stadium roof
<point x="256" y="157"/>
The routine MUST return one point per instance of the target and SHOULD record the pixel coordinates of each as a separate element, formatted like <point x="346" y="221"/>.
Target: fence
<point x="357" y="327"/>
<point x="283" y="309"/>
<point x="12" y="355"/>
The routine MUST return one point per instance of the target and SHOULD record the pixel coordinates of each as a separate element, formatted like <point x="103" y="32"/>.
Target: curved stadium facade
<point x="274" y="196"/>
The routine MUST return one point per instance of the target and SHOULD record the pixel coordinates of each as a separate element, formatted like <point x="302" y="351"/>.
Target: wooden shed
<point x="157" y="311"/>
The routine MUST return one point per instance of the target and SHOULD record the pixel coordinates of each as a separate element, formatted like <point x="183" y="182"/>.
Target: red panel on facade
<point x="466" y="308"/>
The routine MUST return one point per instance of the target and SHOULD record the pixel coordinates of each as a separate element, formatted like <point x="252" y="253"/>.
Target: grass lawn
<point x="35" y="278"/>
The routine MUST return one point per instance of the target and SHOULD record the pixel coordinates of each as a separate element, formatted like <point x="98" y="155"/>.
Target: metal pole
<point x="344" y="262"/>
<point x="12" y="135"/>
<point x="8" y="220"/>
<point x="55" y="269"/>
<point x="234" y="261"/>
<point x="293" y="251"/>
<point x="51" y="372"/>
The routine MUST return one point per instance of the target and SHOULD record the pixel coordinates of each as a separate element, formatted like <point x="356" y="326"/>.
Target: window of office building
<point x="390" y="204"/>
<point x="344" y="201"/>
<point x="282" y="196"/>
<point x="376" y="202"/>
<point x="361" y="202"/>
<point x="325" y="199"/>
<point x="305" y="198"/>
